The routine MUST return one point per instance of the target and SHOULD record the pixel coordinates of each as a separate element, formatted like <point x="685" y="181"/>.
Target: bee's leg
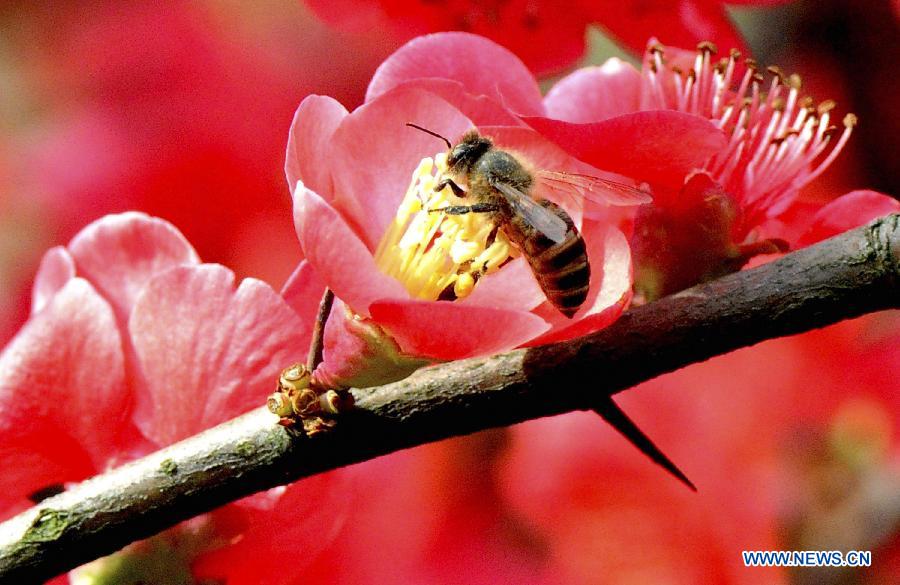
<point x="461" y="209"/>
<point x="445" y="182"/>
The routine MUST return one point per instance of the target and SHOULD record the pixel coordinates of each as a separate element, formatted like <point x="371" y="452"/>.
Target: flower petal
<point x="381" y="153"/>
<point x="610" y="291"/>
<point x="513" y="287"/>
<point x="658" y="146"/>
<point x="64" y="401"/>
<point x="339" y="257"/>
<point x="314" y="123"/>
<point x="449" y="331"/>
<point x="481" y="65"/>
<point x="208" y="352"/>
<point x="56" y="269"/>
<point x="119" y="253"/>
<point x="480" y="109"/>
<point x="847" y="212"/>
<point x="303" y="291"/>
<point x="592" y="94"/>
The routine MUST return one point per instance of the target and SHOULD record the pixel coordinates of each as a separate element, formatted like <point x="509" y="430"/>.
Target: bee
<point x="502" y="185"/>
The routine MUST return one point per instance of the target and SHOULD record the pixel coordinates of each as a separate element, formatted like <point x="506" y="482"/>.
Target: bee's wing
<point x="580" y="187"/>
<point x="544" y="220"/>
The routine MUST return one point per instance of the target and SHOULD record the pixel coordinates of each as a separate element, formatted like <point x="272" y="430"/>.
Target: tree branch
<point x="855" y="273"/>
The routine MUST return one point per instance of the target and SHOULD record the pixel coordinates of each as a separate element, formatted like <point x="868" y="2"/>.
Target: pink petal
<point x="253" y="527"/>
<point x="611" y="280"/>
<point x="449" y="331"/>
<point x="659" y="146"/>
<point x="480" y="109"/>
<point x="307" y="159"/>
<point x="482" y="66"/>
<point x="512" y="287"/>
<point x="340" y="259"/>
<point x="120" y="253"/>
<point x="592" y="94"/>
<point x="303" y="291"/>
<point x="380" y="153"/>
<point x="208" y="352"/>
<point x="56" y="269"/>
<point x="64" y="402"/>
<point x="847" y="212"/>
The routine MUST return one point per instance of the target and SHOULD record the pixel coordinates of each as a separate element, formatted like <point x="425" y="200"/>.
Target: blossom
<point x="546" y="38"/>
<point x="367" y="231"/>
<point x="137" y="108"/>
<point x="133" y="344"/>
<point x="733" y="205"/>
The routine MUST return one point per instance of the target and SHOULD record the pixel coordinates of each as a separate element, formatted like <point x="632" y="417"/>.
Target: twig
<point x="855" y="273"/>
<point x="318" y="333"/>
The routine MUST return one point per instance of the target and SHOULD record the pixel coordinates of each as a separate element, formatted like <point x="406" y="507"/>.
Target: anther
<point x="707" y="47"/>
<point x="734" y="54"/>
<point x="776" y="72"/>
<point x="850" y="120"/>
<point x="794" y="81"/>
<point x="656" y="48"/>
<point x="825" y="107"/>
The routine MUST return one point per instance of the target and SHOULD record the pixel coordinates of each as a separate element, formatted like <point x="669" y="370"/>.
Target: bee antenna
<point x="427" y="131"/>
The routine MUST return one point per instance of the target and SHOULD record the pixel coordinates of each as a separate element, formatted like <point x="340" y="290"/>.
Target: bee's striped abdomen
<point x="562" y="269"/>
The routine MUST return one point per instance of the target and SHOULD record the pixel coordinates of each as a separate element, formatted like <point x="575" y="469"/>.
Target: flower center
<point x="435" y="255"/>
<point x="778" y="140"/>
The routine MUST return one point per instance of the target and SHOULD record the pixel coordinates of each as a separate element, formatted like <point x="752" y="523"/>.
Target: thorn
<point x="616" y="417"/>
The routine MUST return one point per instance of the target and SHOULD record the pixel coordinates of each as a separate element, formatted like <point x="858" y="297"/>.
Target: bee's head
<point x="471" y="147"/>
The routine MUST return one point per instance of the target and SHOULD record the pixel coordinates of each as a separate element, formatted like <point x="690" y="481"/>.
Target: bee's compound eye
<point x="456" y="154"/>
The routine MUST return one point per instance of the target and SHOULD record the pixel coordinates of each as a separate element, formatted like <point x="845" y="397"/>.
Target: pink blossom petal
<point x="209" y="352"/>
<point x="269" y="521"/>
<point x="64" y="401"/>
<point x="482" y="66"/>
<point x="480" y="109"/>
<point x="380" y="154"/>
<point x="659" y="146"/>
<point x="611" y="281"/>
<point x="314" y="123"/>
<point x="339" y="257"/>
<point x="592" y="94"/>
<point x="513" y="287"/>
<point x="847" y="212"/>
<point x="56" y="269"/>
<point x="120" y="253"/>
<point x="303" y="291"/>
<point x="449" y="331"/>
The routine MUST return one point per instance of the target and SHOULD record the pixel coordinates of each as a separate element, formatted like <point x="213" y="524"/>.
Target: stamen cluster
<point x="438" y="256"/>
<point x="778" y="140"/>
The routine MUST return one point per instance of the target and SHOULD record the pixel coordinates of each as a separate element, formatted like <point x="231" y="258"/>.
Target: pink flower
<point x="546" y="38"/>
<point x="734" y="204"/>
<point x="365" y="233"/>
<point x="133" y="344"/>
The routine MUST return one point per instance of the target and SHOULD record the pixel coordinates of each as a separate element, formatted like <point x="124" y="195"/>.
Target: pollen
<point x="434" y="254"/>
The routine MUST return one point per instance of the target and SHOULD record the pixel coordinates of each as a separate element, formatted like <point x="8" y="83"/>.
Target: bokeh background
<point x="182" y="110"/>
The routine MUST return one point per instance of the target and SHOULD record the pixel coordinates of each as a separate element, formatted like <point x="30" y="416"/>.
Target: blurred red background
<point x="182" y="111"/>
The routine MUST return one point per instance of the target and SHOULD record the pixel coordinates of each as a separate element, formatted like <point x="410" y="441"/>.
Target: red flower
<point x="546" y="38"/>
<point x="732" y="206"/>
<point x="133" y="344"/>
<point x="364" y="230"/>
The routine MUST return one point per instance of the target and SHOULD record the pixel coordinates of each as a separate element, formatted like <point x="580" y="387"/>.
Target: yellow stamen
<point x="434" y="254"/>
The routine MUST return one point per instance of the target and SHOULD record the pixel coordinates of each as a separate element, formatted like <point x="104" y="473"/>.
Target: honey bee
<point x="503" y="186"/>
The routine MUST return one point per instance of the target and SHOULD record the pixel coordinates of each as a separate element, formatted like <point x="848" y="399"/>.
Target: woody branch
<point x="849" y="275"/>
